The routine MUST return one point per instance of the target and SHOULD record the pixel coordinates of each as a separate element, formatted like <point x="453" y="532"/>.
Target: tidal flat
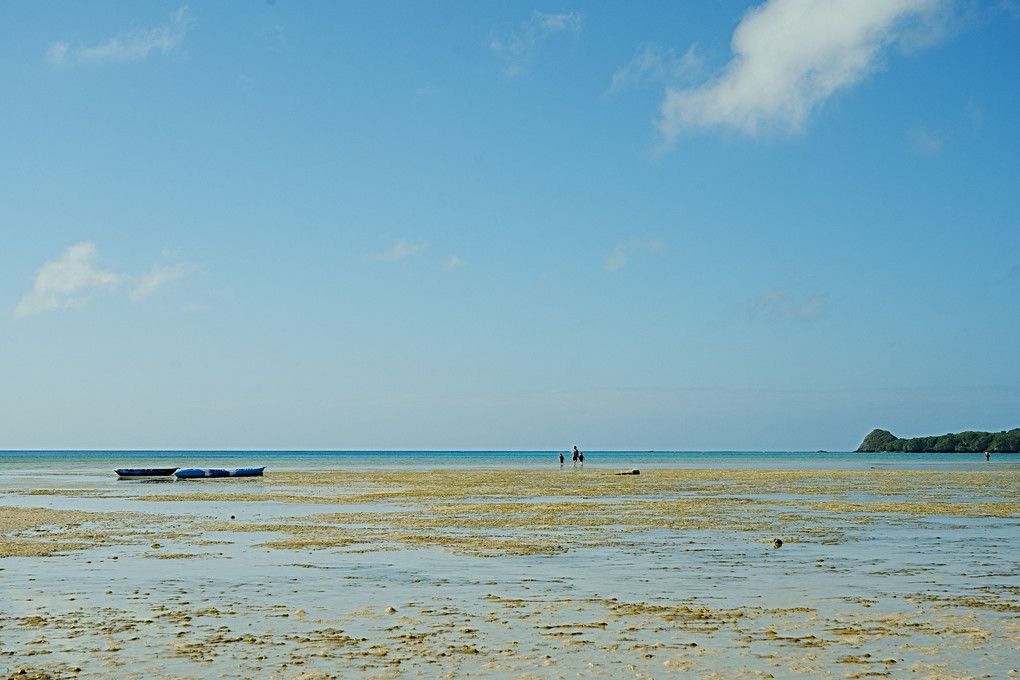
<point x="516" y="573"/>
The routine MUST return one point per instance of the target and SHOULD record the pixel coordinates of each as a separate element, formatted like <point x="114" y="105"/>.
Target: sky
<point x="767" y="225"/>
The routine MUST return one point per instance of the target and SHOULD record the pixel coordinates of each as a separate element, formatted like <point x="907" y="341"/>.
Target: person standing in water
<point x="576" y="454"/>
<point x="561" y="459"/>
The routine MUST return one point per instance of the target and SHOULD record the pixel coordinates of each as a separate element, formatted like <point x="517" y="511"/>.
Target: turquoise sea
<point x="103" y="462"/>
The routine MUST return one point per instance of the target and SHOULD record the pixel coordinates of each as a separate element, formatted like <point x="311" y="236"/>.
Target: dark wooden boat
<point x="145" y="472"/>
<point x="200" y="473"/>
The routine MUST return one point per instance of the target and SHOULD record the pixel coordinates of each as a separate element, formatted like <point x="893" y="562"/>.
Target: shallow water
<point x="101" y="463"/>
<point x="390" y="572"/>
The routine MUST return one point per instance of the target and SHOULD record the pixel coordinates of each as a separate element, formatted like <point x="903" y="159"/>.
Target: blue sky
<point x="458" y="225"/>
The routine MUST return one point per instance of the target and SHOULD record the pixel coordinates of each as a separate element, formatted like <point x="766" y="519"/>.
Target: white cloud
<point x="73" y="280"/>
<point x="426" y="91"/>
<point x="654" y="64"/>
<point x="975" y="114"/>
<point x="522" y="44"/>
<point x="616" y="259"/>
<point x="925" y="142"/>
<point x="452" y="262"/>
<point x="790" y="56"/>
<point x="131" y="45"/>
<point x="70" y="281"/>
<point x="147" y="284"/>
<point x="776" y="302"/>
<point x="276" y="38"/>
<point x="622" y="253"/>
<point x="400" y="250"/>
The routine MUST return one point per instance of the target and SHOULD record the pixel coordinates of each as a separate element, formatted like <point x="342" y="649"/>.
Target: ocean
<point x="101" y="462"/>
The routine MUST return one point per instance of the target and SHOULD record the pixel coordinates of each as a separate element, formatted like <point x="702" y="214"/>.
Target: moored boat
<point x="145" y="472"/>
<point x="200" y="473"/>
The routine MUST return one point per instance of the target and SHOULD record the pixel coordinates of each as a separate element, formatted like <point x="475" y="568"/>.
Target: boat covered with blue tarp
<point x="200" y="473"/>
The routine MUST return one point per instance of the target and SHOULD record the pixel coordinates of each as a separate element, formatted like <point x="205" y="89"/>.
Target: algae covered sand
<point x="517" y="573"/>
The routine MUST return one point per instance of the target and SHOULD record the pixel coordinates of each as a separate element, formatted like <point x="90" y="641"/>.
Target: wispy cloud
<point x="975" y="114"/>
<point x="520" y="45"/>
<point x="400" y="251"/>
<point x="925" y="142"/>
<point x="131" y="45"/>
<point x="622" y="253"/>
<point x="74" y="279"/>
<point x="426" y="92"/>
<point x="69" y="281"/>
<point x="160" y="275"/>
<point x="452" y="262"/>
<point x="790" y="56"/>
<point x="777" y="303"/>
<point x="276" y="38"/>
<point x="928" y="141"/>
<point x="653" y="64"/>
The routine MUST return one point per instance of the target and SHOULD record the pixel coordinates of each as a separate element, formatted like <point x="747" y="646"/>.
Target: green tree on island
<point x="883" y="441"/>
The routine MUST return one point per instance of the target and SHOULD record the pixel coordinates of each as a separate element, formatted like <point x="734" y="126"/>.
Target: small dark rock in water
<point x="632" y="472"/>
<point x="777" y="543"/>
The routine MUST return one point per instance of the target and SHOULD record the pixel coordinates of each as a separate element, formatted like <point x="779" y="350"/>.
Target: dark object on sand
<point x="777" y="543"/>
<point x="197" y="473"/>
<point x="145" y="472"/>
<point x="632" y="472"/>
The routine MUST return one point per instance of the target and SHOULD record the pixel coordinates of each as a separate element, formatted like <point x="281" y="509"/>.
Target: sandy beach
<point x="517" y="573"/>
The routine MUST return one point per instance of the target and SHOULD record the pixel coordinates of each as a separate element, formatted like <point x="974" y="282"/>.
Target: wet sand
<point x="516" y="574"/>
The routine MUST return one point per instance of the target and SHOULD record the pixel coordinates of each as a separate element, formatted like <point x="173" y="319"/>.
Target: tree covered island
<point x="882" y="441"/>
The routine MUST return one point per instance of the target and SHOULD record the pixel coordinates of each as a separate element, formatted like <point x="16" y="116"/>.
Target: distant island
<point x="882" y="441"/>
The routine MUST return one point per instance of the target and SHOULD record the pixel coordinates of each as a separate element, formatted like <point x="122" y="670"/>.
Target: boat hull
<point x="145" y="472"/>
<point x="202" y="473"/>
